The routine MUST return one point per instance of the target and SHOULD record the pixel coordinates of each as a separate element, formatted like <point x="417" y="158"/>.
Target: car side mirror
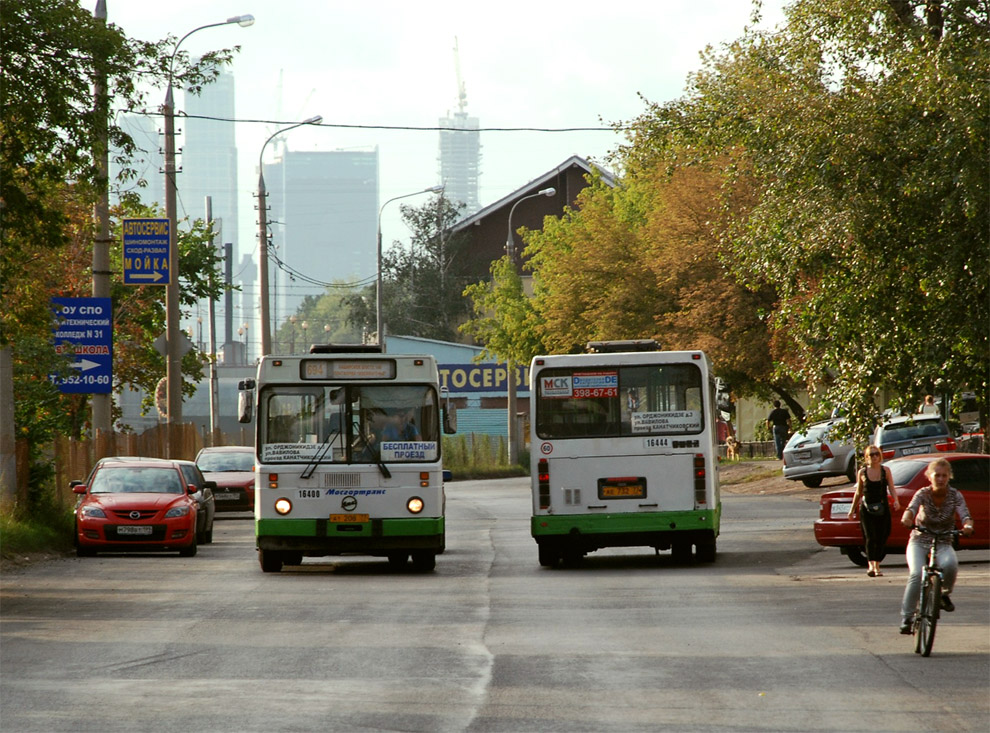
<point x="78" y="487"/>
<point x="191" y="489"/>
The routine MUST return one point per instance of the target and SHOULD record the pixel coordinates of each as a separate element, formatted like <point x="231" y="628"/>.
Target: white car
<point x="814" y="454"/>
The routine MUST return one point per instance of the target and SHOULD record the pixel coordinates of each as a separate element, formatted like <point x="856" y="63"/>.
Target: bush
<point x="477" y="456"/>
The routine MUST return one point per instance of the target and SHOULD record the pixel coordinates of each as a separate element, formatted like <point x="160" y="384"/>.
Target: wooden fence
<point x="75" y="458"/>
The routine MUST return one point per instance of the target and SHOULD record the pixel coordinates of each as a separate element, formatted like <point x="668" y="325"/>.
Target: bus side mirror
<point x="245" y="400"/>
<point x="449" y="413"/>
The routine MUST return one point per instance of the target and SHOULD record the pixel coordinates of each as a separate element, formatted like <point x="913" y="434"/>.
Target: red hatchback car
<point x="232" y="467"/>
<point x="135" y="504"/>
<point x="970" y="475"/>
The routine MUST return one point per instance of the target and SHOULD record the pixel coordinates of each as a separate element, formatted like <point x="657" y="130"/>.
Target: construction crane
<point x="461" y="90"/>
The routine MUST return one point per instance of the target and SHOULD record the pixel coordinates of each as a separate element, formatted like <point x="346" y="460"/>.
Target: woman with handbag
<point x="873" y="483"/>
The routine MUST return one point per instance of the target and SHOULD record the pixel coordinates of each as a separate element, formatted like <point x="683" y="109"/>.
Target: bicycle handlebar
<point x="937" y="535"/>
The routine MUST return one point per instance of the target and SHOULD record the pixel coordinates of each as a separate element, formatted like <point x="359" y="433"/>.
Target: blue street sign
<point x="84" y="328"/>
<point x="146" y="254"/>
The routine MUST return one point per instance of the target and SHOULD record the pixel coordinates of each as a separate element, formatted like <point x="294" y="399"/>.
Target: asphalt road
<point x="778" y="634"/>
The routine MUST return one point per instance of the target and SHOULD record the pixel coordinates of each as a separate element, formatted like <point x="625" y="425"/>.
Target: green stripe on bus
<point x="418" y="527"/>
<point x="556" y="524"/>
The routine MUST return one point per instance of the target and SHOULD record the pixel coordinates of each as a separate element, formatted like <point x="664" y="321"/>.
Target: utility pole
<point x="101" y="403"/>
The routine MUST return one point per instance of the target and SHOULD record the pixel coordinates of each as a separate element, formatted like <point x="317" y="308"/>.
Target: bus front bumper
<point x="329" y="538"/>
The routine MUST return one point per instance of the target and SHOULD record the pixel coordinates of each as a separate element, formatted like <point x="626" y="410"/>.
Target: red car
<point x="135" y="504"/>
<point x="232" y="468"/>
<point x="970" y="475"/>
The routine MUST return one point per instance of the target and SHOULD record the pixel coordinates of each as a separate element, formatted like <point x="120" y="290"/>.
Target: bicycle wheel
<point x="931" y="596"/>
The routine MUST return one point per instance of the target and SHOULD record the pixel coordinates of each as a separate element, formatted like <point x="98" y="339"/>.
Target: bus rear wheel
<point x="705" y="551"/>
<point x="270" y="560"/>
<point x="548" y="555"/>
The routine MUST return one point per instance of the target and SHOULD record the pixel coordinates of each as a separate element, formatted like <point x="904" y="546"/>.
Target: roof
<point x="534" y="185"/>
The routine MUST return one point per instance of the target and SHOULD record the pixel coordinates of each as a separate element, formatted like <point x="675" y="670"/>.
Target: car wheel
<point x="856" y="555"/>
<point x="812" y="483"/>
<point x="189" y="551"/>
<point x="851" y="472"/>
<point x="85" y="551"/>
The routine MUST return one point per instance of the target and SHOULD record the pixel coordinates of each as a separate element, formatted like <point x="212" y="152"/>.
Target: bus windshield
<point x="610" y="401"/>
<point x="348" y="423"/>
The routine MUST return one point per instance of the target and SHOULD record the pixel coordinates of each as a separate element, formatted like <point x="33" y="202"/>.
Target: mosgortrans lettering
<point x="355" y="492"/>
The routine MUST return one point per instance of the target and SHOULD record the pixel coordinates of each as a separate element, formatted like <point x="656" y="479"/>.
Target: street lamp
<point x="305" y="327"/>
<point x="292" y="333"/>
<point x="379" y="323"/>
<point x="173" y="353"/>
<point x="266" y="331"/>
<point x="510" y="368"/>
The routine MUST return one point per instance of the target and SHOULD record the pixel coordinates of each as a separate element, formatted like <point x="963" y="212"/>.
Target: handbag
<point x="876" y="509"/>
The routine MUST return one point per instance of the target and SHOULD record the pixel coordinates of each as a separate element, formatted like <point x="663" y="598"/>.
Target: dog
<point x="731" y="448"/>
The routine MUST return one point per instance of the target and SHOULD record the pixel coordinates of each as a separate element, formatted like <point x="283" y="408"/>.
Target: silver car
<point x="814" y="454"/>
<point x="913" y="434"/>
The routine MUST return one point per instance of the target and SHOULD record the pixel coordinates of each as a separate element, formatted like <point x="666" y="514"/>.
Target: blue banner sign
<point x="489" y="377"/>
<point x="83" y="330"/>
<point x="146" y="253"/>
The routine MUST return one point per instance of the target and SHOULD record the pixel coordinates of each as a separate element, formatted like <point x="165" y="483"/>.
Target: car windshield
<point x="912" y="430"/>
<point x="813" y="434"/>
<point x="136" y="480"/>
<point x="226" y="461"/>
<point x="904" y="472"/>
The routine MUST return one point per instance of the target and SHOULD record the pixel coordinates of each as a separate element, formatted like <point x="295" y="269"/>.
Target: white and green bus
<point x="623" y="452"/>
<point x="348" y="456"/>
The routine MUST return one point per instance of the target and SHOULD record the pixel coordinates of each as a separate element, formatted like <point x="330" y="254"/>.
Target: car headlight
<point x="415" y="505"/>
<point x="93" y="511"/>
<point x="177" y="511"/>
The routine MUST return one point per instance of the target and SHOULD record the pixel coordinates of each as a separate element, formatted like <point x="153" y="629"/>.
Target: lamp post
<point x="379" y="323"/>
<point x="305" y="327"/>
<point x="510" y="368"/>
<point x="173" y="353"/>
<point x="266" y="330"/>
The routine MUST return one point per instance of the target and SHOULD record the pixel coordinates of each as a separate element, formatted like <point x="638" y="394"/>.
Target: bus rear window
<point x="608" y="401"/>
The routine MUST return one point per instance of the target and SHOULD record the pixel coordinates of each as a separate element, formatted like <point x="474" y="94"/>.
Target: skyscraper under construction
<point x="460" y="151"/>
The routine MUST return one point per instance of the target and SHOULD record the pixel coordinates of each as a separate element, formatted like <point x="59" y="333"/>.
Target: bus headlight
<point x="415" y="505"/>
<point x="283" y="506"/>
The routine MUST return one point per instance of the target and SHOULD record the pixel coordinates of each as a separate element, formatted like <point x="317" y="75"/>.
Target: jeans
<point x="780" y="439"/>
<point x="917" y="556"/>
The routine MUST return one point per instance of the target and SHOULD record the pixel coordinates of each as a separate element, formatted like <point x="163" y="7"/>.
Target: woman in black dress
<point x="873" y="483"/>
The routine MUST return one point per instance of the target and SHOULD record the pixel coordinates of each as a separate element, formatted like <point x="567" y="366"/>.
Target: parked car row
<point x="156" y="504"/>
<point x="815" y="453"/>
<point x="970" y="475"/>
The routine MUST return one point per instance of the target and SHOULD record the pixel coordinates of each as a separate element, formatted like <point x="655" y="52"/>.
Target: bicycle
<point x="929" y="606"/>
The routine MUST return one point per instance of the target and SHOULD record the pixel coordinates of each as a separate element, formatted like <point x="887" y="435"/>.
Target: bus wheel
<point x="572" y="557"/>
<point x="705" y="551"/>
<point x="271" y="561"/>
<point x="548" y="555"/>
<point x="424" y="562"/>
<point x="292" y="558"/>
<point x="398" y="560"/>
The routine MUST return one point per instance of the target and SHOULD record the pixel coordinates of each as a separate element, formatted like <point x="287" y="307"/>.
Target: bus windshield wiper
<point x="319" y="454"/>
<point x="375" y="455"/>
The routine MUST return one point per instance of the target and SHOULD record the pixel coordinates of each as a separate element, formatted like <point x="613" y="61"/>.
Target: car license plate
<point x="915" y="450"/>
<point x="349" y="518"/>
<point x="225" y="496"/>
<point x="804" y="455"/>
<point x="133" y="529"/>
<point x="840" y="510"/>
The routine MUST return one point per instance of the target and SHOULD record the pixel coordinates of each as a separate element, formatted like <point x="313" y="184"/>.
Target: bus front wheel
<point x="424" y="562"/>
<point x="271" y="561"/>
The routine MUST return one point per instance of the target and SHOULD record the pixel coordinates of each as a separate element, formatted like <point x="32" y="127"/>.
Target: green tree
<point x="422" y="284"/>
<point x="866" y="127"/>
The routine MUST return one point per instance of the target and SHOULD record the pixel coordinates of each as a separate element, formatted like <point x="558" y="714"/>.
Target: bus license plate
<point x="133" y="529"/>
<point x="622" y="488"/>
<point x="349" y="518"/>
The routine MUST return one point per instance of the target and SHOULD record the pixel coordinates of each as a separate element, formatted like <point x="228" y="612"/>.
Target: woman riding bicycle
<point x="935" y="508"/>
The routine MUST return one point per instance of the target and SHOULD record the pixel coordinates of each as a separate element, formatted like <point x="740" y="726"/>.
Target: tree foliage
<point x="866" y="127"/>
<point x="422" y="283"/>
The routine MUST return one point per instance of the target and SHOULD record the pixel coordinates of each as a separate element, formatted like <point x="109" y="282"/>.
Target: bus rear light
<point x="283" y="506"/>
<point x="543" y="478"/>
<point x="699" y="479"/>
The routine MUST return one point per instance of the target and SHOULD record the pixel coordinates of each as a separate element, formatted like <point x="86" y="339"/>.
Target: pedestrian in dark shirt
<point x="779" y="422"/>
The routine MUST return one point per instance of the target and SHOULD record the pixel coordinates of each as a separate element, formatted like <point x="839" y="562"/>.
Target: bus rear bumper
<point x="589" y="532"/>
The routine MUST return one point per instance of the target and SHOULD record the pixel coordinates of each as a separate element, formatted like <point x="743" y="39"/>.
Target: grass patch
<point x="478" y="456"/>
<point x="48" y="533"/>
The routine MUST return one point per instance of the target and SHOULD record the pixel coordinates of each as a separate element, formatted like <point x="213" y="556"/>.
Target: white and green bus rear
<point x="348" y="456"/>
<point x="623" y="452"/>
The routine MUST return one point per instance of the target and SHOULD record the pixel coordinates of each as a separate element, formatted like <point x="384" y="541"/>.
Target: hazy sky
<point x="544" y="64"/>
